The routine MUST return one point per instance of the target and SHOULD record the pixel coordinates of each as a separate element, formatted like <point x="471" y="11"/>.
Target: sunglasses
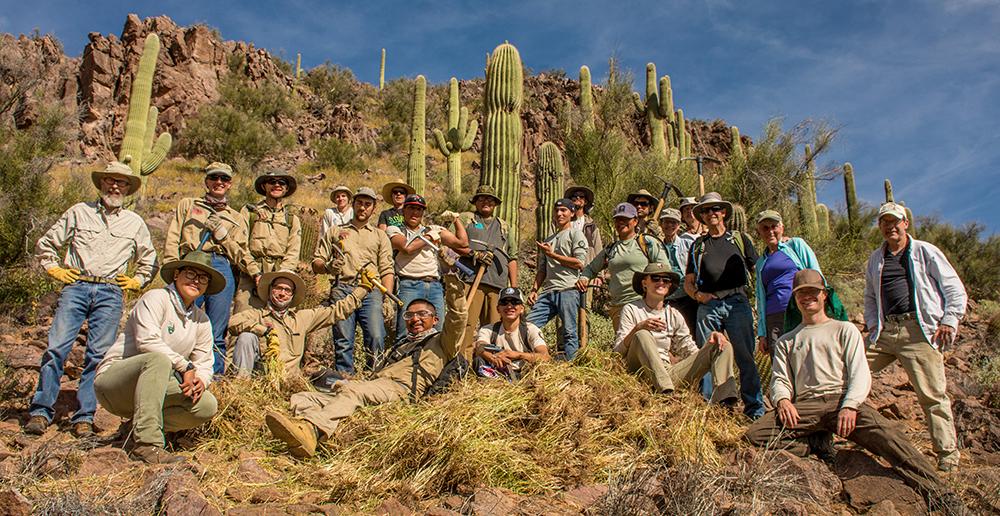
<point x="640" y="203"/>
<point x="220" y="178"/>
<point x="578" y="196"/>
<point x="423" y="314"/>
<point x="656" y="278"/>
<point x="279" y="182"/>
<point x="715" y="209"/>
<point x="195" y="276"/>
<point x="399" y="192"/>
<point x="110" y="181"/>
<point x="508" y="302"/>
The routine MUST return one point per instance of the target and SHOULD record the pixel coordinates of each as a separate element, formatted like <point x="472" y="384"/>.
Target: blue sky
<point x="914" y="86"/>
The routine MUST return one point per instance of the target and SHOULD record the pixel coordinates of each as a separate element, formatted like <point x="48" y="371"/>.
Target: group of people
<point x="679" y="284"/>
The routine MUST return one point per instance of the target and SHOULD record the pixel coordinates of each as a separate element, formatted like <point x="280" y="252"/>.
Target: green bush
<point x="337" y="154"/>
<point x="336" y="85"/>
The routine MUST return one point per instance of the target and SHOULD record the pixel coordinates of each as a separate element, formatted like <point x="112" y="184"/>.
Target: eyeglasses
<point x="715" y="209"/>
<point x="279" y="182"/>
<point x="508" y="302"/>
<point x="195" y="276"/>
<point x="283" y="288"/>
<point x="110" y="181"/>
<point x="640" y="203"/>
<point x="423" y="314"/>
<point x="220" y="178"/>
<point x="656" y="278"/>
<point x="399" y="192"/>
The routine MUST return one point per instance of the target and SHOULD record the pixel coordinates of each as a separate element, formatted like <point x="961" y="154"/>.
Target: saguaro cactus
<point x="298" y="66"/>
<point x="586" y="99"/>
<point x="823" y="220"/>
<point x="548" y="187"/>
<point x="140" y="149"/>
<point x="461" y="132"/>
<point x="381" y="72"/>
<point x="888" y="191"/>
<point x="659" y="106"/>
<point x="807" y="199"/>
<point x="738" y="221"/>
<point x="736" y="150"/>
<point x="501" y="153"/>
<point x="416" y="168"/>
<point x="851" y="197"/>
<point x="682" y="146"/>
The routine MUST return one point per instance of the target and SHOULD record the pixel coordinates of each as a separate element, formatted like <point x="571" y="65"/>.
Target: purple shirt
<point x="778" y="272"/>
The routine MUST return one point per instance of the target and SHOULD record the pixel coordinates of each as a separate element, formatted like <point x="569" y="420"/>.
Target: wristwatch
<point x="190" y="367"/>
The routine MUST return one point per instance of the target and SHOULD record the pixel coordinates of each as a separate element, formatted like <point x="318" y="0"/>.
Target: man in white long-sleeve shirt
<point x="819" y="383"/>
<point x="100" y="238"/>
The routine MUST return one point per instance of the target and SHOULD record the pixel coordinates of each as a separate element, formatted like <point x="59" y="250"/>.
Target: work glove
<point x="366" y="279"/>
<point x="389" y="312"/>
<point x="128" y="282"/>
<point x="215" y="224"/>
<point x="335" y="266"/>
<point x="447" y="217"/>
<point x="63" y="275"/>
<point x="482" y="257"/>
<point x="273" y="346"/>
<point x="448" y="256"/>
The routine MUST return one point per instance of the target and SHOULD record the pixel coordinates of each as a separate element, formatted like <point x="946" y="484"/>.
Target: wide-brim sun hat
<point x="118" y="170"/>
<point x="266" y="279"/>
<point x="712" y="199"/>
<point x="641" y="194"/>
<point x="588" y="194"/>
<point x="339" y="188"/>
<point x="487" y="191"/>
<point x="661" y="269"/>
<point x="196" y="260"/>
<point x="258" y="183"/>
<point x="390" y="186"/>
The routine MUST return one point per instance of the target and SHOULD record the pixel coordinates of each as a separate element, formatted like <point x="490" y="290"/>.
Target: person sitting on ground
<point x="819" y="383"/>
<point x="503" y="348"/>
<point x="341" y="213"/>
<point x="651" y="331"/>
<point x="283" y="328"/>
<point x="678" y="249"/>
<point x="157" y="372"/>
<point x="412" y="368"/>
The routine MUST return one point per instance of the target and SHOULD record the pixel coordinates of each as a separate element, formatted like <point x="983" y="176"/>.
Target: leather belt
<point x="425" y="279"/>
<point x="722" y="294"/>
<point x="898" y="318"/>
<point x="97" y="279"/>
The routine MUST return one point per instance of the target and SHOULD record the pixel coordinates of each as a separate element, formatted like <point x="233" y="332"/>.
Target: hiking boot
<point x="821" y="444"/>
<point x="300" y="435"/>
<point x="948" y="462"/>
<point x="82" y="430"/>
<point x="151" y="454"/>
<point x="36" y="425"/>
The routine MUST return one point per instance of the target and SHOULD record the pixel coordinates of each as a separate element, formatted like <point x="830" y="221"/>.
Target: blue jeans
<point x="565" y="304"/>
<point x="217" y="306"/>
<point x="409" y="290"/>
<point x="100" y="305"/>
<point x="369" y="316"/>
<point x="733" y="316"/>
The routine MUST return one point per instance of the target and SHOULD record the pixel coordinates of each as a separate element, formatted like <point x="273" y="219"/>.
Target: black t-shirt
<point x="722" y="266"/>
<point x="391" y="217"/>
<point x="897" y="284"/>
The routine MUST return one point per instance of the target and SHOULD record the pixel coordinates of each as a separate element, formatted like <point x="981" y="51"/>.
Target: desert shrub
<point x="335" y="84"/>
<point x="396" y="108"/>
<point x="337" y="154"/>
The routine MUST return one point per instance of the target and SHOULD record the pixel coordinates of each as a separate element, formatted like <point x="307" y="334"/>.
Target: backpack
<point x="644" y="246"/>
<point x="252" y="211"/>
<point x="698" y="251"/>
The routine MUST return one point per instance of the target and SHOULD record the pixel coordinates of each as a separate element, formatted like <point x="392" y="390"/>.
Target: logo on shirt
<point x="170" y="328"/>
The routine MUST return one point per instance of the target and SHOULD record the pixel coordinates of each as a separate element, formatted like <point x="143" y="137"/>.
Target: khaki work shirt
<point x="188" y="224"/>
<point x="99" y="243"/>
<point x="274" y="240"/>
<point x="360" y="246"/>
<point x="295" y="326"/>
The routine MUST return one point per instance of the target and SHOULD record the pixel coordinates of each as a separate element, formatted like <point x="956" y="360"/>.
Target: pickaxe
<point x="665" y="197"/>
<point x="700" y="160"/>
<point x="437" y="249"/>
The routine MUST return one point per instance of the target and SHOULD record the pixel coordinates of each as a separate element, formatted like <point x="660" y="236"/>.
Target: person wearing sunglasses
<point x="645" y="205"/>
<point x="394" y="193"/>
<point x="100" y="238"/>
<point x="652" y="333"/>
<point x="504" y="347"/>
<point x="423" y="361"/>
<point x="274" y="236"/>
<point x="719" y="268"/>
<point x="158" y="371"/>
<point x="225" y="233"/>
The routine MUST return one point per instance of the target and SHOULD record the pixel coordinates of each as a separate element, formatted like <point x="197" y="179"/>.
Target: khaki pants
<point x="924" y="366"/>
<point x="872" y="432"/>
<point x="643" y="356"/>
<point x="615" y="313"/>
<point x="482" y="310"/>
<point x="246" y="295"/>
<point x="143" y="388"/>
<point x="327" y="410"/>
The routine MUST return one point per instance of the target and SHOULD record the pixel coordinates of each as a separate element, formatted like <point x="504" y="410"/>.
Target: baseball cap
<point x="511" y="293"/>
<point x="671" y="213"/>
<point x="565" y="203"/>
<point x="216" y="167"/>
<point x="415" y="200"/>
<point x="626" y="210"/>
<point x="365" y="191"/>
<point x="891" y="208"/>
<point x="769" y="215"/>
<point x="808" y="278"/>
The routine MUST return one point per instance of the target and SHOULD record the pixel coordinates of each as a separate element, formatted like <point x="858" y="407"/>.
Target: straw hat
<point x="264" y="286"/>
<point x="117" y="170"/>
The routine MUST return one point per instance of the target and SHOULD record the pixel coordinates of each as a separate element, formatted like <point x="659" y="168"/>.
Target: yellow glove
<point x="273" y="347"/>
<point x="128" y="282"/>
<point x="63" y="275"/>
<point x="365" y="277"/>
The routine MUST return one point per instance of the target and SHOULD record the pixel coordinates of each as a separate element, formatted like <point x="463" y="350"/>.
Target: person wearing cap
<point x="491" y="248"/>
<point x="275" y="236"/>
<point x="282" y="326"/>
<point x="503" y="348"/>
<point x="774" y="270"/>
<point x="415" y="365"/>
<point x="583" y="203"/>
<point x="394" y="193"/>
<point x="553" y="293"/>
<point x="652" y="333"/>
<point x="341" y="212"/>
<point x="418" y="273"/>
<point x="645" y="204"/>
<point x="158" y="371"/>
<point x="693" y="228"/>
<point x="629" y="254"/>
<point x="718" y="272"/>
<point x="819" y="383"/>
<point x="914" y="301"/>
<point x="223" y="230"/>
<point x="100" y="238"/>
<point x="677" y="249"/>
<point x="342" y="252"/>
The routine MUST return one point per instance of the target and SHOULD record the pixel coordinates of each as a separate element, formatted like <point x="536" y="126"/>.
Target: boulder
<point x="13" y="503"/>
<point x="866" y="483"/>
<point x="182" y="497"/>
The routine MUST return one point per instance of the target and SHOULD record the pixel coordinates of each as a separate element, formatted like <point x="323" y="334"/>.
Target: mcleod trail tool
<point x="665" y="197"/>
<point x="378" y="284"/>
<point x="482" y="266"/>
<point x="700" y="160"/>
<point x="437" y="249"/>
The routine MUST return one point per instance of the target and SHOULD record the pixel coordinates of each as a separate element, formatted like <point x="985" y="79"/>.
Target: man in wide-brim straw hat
<point x="652" y="332"/>
<point x="645" y="204"/>
<point x="274" y="235"/>
<point x="341" y="212"/>
<point x="718" y="273"/>
<point x="394" y="193"/>
<point x="100" y="238"/>
<point x="583" y="201"/>
<point x="282" y="327"/>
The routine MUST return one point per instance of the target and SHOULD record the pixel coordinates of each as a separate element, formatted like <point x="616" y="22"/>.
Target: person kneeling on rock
<point x="157" y="372"/>
<point x="418" y="363"/>
<point x="651" y="331"/>
<point x="819" y="383"/>
<point x="281" y="328"/>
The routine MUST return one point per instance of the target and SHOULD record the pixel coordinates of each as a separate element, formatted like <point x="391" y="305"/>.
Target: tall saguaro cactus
<point x="548" y="187"/>
<point x="502" y="134"/>
<point x="888" y="191"/>
<point x="737" y="143"/>
<point x="381" y="72"/>
<point x="851" y="197"/>
<point x="416" y="168"/>
<point x="807" y="199"/>
<point x="586" y="99"/>
<point x="141" y="150"/>
<point x="461" y="132"/>
<point x="659" y="106"/>
<point x="823" y="220"/>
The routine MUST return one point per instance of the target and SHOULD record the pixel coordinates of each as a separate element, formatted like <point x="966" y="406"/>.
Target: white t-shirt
<point x="333" y="217"/>
<point x="422" y="263"/>
<point x="675" y="339"/>
<point x="511" y="340"/>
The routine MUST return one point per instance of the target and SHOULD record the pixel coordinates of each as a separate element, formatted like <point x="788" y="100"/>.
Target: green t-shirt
<point x="558" y="277"/>
<point x="623" y="261"/>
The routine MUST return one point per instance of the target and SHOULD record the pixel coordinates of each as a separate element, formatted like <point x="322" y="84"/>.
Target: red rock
<point x="250" y="471"/>
<point x="266" y="495"/>
<point x="103" y="461"/>
<point x="13" y="503"/>
<point x="883" y="508"/>
<point x="585" y="496"/>
<point x="866" y="483"/>
<point x="493" y="501"/>
<point x="182" y="497"/>
<point x="393" y="507"/>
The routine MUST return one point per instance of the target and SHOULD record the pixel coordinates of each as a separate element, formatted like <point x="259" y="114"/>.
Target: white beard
<point x="280" y="306"/>
<point x="113" y="201"/>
